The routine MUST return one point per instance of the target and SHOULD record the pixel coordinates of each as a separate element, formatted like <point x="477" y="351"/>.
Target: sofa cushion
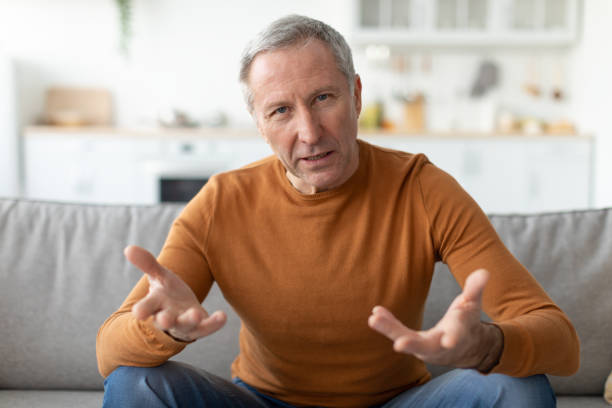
<point x="50" y="399"/>
<point x="569" y="401"/>
<point x="63" y="273"/>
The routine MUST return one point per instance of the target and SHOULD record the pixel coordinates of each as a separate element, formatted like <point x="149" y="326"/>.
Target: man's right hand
<point x="173" y="305"/>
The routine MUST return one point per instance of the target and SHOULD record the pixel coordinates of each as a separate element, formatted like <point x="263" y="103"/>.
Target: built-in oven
<point x="183" y="166"/>
<point x="176" y="189"/>
<point x="179" y="180"/>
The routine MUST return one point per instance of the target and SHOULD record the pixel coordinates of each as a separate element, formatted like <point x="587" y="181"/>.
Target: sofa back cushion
<point x="62" y="273"/>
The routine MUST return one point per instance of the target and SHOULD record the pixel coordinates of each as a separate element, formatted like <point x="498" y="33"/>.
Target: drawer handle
<point x="187" y="148"/>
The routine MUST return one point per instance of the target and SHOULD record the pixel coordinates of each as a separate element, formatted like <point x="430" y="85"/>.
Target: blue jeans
<point x="176" y="384"/>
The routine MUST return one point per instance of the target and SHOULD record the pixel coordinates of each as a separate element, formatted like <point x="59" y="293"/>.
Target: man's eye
<point x="282" y="109"/>
<point x="322" y="97"/>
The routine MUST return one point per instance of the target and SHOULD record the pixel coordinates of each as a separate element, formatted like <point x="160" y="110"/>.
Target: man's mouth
<point x="317" y="157"/>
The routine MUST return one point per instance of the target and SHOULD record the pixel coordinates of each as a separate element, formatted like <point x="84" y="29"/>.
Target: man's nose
<point x="308" y="127"/>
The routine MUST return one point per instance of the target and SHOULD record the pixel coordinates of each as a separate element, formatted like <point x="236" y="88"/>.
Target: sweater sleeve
<point x="125" y="341"/>
<point x="538" y="337"/>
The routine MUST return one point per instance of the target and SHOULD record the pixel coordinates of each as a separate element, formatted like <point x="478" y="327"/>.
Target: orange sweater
<point x="304" y="271"/>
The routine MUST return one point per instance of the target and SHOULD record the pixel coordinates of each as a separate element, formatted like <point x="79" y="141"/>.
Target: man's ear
<point x="357" y="94"/>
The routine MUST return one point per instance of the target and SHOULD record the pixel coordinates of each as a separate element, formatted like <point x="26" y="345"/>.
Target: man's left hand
<point x="459" y="339"/>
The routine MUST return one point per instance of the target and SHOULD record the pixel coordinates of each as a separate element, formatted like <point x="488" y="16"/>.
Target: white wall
<point x="185" y="55"/>
<point x="8" y="131"/>
<point x="184" y="52"/>
<point x="592" y="89"/>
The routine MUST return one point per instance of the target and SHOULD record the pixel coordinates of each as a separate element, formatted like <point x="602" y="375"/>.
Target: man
<point x="326" y="251"/>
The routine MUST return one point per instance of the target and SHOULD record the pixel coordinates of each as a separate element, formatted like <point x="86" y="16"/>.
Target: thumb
<point x="384" y="322"/>
<point x="146" y="262"/>
<point x="474" y="286"/>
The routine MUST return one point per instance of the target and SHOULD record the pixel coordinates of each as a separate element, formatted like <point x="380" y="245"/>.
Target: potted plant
<point x="125" y="25"/>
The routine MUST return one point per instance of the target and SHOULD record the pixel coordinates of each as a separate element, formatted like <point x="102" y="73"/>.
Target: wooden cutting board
<point x="78" y="107"/>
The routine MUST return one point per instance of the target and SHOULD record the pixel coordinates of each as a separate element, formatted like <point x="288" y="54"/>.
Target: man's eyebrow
<point x="282" y="102"/>
<point x="275" y="104"/>
<point x="324" y="89"/>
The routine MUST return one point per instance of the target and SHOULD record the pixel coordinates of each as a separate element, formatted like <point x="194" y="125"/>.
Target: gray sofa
<point x="62" y="273"/>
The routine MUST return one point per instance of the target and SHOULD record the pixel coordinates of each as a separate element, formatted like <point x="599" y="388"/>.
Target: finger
<point x="188" y="321"/>
<point x="147" y="306"/>
<point x="458" y="321"/>
<point x="464" y="311"/>
<point x="474" y="286"/>
<point x="421" y="344"/>
<point x="165" y="319"/>
<point x="383" y="321"/>
<point x="195" y="324"/>
<point x="211" y="324"/>
<point x="145" y="261"/>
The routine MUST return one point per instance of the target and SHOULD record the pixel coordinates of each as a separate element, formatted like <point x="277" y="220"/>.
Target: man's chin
<point x="309" y="183"/>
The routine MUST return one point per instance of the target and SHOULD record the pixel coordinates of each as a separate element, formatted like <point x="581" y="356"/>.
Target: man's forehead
<point x="297" y="68"/>
<point x="291" y="56"/>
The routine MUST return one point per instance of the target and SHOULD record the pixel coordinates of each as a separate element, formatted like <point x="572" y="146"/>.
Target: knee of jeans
<point x="128" y="379"/>
<point x="540" y="392"/>
<point x="138" y="386"/>
<point x="481" y="388"/>
<point x="533" y="391"/>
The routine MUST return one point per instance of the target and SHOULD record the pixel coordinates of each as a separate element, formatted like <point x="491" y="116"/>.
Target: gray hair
<point x="293" y="30"/>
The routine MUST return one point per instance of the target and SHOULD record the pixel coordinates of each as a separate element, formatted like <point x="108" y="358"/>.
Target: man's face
<point x="305" y="110"/>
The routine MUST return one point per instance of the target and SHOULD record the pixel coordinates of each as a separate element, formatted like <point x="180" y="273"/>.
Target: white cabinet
<point x="503" y="174"/>
<point x="466" y="22"/>
<point x="85" y="168"/>
<point x="512" y="174"/>
<point x="8" y="130"/>
<point x="116" y="167"/>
